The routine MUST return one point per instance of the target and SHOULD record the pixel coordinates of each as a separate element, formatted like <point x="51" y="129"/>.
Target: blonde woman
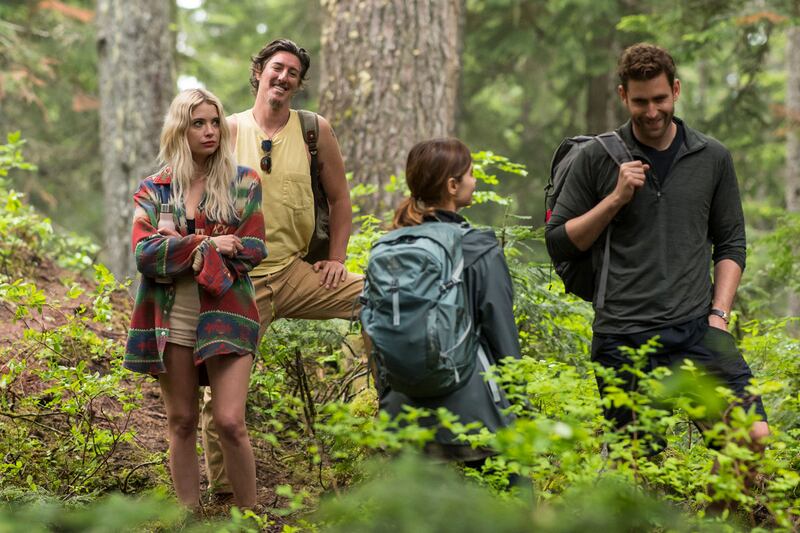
<point x="195" y="308"/>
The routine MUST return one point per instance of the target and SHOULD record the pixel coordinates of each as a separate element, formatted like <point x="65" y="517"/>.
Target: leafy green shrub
<point x="28" y="238"/>
<point x="65" y="428"/>
<point x="414" y="495"/>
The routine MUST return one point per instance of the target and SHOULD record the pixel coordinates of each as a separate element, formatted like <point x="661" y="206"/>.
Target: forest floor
<point x="148" y="420"/>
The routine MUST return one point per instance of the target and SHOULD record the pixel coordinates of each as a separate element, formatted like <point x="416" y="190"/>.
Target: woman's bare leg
<point x="179" y="388"/>
<point x="230" y="379"/>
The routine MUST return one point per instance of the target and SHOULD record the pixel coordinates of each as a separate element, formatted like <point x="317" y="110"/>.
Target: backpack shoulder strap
<point x="615" y="147"/>
<point x="309" y="122"/>
<point x="617" y="150"/>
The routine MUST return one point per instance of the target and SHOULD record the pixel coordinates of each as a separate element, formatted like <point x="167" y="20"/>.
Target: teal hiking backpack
<point x="415" y="310"/>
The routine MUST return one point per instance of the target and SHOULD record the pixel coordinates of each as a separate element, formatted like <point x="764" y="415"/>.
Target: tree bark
<point x="601" y="98"/>
<point x="137" y="83"/>
<point x="390" y="77"/>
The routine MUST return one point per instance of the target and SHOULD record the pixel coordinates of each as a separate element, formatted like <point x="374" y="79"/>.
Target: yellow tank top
<point x="287" y="201"/>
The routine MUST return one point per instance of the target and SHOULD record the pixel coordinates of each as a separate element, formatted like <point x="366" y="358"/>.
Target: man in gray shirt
<point x="674" y="209"/>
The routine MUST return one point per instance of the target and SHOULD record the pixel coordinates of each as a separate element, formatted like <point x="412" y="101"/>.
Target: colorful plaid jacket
<point x="228" y="321"/>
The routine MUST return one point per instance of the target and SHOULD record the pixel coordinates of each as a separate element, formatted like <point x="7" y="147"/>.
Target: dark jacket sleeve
<point x="726" y="219"/>
<point x="576" y="198"/>
<point x="492" y="297"/>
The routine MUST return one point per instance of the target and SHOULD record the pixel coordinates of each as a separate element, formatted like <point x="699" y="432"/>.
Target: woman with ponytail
<point x="439" y="177"/>
<point x="198" y="230"/>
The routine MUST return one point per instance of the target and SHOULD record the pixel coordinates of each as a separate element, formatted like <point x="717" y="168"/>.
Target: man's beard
<point x="274" y="103"/>
<point x="655" y="135"/>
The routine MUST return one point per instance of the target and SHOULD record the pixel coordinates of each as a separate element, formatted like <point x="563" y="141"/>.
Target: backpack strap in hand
<point x="618" y="151"/>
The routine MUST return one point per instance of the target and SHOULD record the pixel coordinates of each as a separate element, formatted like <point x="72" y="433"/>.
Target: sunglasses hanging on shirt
<point x="266" y="161"/>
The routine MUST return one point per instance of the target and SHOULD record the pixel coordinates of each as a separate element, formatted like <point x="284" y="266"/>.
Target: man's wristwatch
<point x="720" y="313"/>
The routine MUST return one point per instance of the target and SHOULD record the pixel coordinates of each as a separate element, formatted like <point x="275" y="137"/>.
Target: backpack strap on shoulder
<point x="319" y="246"/>
<point x="309" y="122"/>
<point x="615" y="147"/>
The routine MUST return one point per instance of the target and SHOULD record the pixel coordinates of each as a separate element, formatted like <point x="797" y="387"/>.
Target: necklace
<point x="279" y="128"/>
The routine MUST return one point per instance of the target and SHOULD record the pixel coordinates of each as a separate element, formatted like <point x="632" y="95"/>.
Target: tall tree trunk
<point x="793" y="137"/>
<point x="390" y="76"/>
<point x="604" y="110"/>
<point x="137" y="83"/>
<point x="601" y="94"/>
<point x="601" y="108"/>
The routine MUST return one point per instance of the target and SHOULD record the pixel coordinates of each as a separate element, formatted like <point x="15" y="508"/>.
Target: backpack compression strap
<point x="617" y="150"/>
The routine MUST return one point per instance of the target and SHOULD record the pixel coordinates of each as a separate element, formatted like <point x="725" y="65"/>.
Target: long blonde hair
<point x="220" y="167"/>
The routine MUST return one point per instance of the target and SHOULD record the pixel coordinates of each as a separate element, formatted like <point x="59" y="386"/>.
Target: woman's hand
<point x="166" y="232"/>
<point x="228" y="245"/>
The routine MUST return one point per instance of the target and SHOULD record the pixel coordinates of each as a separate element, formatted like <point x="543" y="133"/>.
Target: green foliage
<point x="118" y="513"/>
<point x="414" y="495"/>
<point x="62" y="435"/>
<point x="48" y="90"/>
<point x="65" y="404"/>
<point x="29" y="239"/>
<point x="68" y="430"/>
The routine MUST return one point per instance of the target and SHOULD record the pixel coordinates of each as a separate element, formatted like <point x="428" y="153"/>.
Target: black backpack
<point x="578" y="274"/>
<point x="319" y="247"/>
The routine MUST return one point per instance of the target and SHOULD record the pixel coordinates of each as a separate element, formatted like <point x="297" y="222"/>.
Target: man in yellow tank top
<point x="268" y="137"/>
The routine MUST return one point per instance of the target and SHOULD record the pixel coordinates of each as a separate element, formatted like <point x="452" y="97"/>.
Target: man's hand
<point x="228" y="245"/>
<point x="631" y="177"/>
<point x="331" y="273"/>
<point x="716" y="322"/>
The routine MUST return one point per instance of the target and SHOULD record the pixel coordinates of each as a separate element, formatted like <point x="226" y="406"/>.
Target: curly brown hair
<point x="645" y="61"/>
<point x="258" y="61"/>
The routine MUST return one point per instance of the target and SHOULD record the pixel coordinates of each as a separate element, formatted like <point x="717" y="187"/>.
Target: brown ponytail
<point x="428" y="167"/>
<point x="410" y="213"/>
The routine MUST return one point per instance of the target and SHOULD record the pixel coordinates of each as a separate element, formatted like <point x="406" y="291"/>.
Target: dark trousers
<point x="712" y="350"/>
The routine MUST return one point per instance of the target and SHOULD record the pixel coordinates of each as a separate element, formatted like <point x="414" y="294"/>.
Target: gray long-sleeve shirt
<point x="664" y="240"/>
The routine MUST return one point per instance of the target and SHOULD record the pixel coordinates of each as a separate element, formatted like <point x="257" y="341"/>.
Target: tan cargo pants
<point x="293" y="292"/>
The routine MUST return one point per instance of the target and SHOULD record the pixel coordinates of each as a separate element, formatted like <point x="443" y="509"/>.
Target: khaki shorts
<point x="185" y="312"/>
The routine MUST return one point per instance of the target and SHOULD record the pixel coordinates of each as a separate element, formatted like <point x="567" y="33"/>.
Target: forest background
<point x="86" y="84"/>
